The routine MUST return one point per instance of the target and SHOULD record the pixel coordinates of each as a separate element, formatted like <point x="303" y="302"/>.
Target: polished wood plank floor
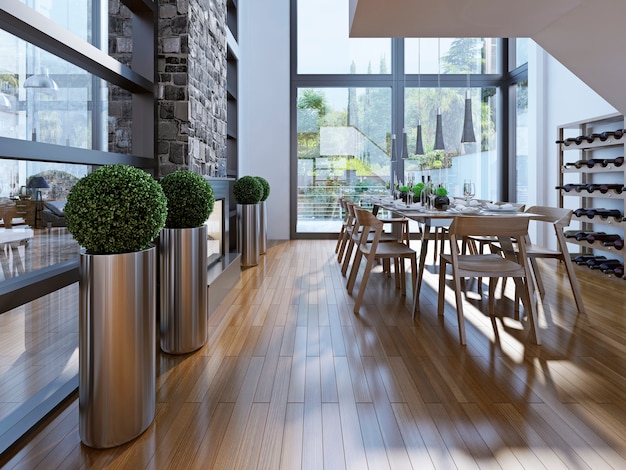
<point x="291" y="378"/>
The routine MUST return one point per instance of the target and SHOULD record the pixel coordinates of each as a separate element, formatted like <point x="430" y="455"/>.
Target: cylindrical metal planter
<point x="117" y="360"/>
<point x="248" y="234"/>
<point x="262" y="227"/>
<point x="183" y="307"/>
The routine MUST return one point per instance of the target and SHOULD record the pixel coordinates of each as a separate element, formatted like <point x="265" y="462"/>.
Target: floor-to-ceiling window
<point x="358" y="104"/>
<point x="73" y="74"/>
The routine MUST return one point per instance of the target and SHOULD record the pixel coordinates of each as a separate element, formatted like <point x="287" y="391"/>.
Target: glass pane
<point x="73" y="15"/>
<point x="458" y="55"/>
<point x="33" y="233"/>
<point x="344" y="148"/>
<point x="39" y="354"/>
<point x="458" y="161"/>
<point x="46" y="99"/>
<point x="521" y="142"/>
<point x="325" y="48"/>
<point x="521" y="51"/>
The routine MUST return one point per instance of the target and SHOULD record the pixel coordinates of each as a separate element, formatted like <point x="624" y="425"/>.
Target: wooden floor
<point x="292" y="379"/>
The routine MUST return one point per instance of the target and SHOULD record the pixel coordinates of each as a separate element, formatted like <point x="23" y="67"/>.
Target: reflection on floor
<point x="24" y="249"/>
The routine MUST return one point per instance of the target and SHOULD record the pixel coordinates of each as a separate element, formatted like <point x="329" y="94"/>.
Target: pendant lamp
<point x="468" y="125"/>
<point x="419" y="144"/>
<point x="43" y="82"/>
<point x="405" y="149"/>
<point x="393" y="148"/>
<point x="439" y="145"/>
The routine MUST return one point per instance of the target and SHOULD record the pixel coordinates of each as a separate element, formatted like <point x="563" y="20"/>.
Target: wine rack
<point x="591" y="155"/>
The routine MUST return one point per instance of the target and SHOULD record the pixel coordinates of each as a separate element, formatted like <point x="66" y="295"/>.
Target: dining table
<point x="429" y="218"/>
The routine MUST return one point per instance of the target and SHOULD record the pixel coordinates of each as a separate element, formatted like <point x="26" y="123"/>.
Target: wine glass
<point x="469" y="190"/>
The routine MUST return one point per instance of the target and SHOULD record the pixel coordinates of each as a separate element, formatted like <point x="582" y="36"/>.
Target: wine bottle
<point x="617" y="244"/>
<point x="585" y="235"/>
<point x="595" y="263"/>
<point x="568" y="187"/>
<point x="582" y="259"/>
<point x="602" y="237"/>
<point x="580" y="212"/>
<point x="610" y="264"/>
<point x="588" y="163"/>
<point x="604" y="188"/>
<point x="573" y="233"/>
<point x="618" y="161"/>
<point x="604" y="213"/>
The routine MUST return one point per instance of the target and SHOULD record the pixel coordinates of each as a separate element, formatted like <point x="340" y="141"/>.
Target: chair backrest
<point x="558" y="216"/>
<point x="497" y="226"/>
<point x="368" y="222"/>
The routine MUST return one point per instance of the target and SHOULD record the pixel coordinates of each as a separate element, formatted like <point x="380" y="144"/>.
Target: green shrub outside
<point x="116" y="209"/>
<point x="247" y="190"/>
<point x="190" y="199"/>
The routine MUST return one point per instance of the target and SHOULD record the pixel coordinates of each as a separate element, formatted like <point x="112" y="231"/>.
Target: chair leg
<point x="342" y="247"/>
<point x="353" y="272"/>
<point x="368" y="268"/>
<point x="578" y="298"/>
<point x="340" y="238"/>
<point x="347" y="256"/>
<point x="459" y="306"/>
<point x="493" y="281"/>
<point x="414" y="280"/>
<point x="442" y="286"/>
<point x="528" y="299"/>
<point x="537" y="273"/>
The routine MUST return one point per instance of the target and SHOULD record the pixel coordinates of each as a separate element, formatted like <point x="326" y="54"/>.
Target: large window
<point x="358" y="102"/>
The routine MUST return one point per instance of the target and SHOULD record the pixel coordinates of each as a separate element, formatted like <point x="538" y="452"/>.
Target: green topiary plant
<point x="116" y="209"/>
<point x="190" y="199"/>
<point x="247" y="190"/>
<point x="266" y="187"/>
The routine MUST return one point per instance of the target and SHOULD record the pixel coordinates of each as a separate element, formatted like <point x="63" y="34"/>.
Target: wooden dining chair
<point x="559" y="218"/>
<point x="399" y="232"/>
<point x="371" y="228"/>
<point x="492" y="265"/>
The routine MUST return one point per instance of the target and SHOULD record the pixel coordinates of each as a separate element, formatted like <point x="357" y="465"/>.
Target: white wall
<point x="264" y="103"/>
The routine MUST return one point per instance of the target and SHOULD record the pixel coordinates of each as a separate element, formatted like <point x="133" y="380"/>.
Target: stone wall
<point x="192" y="85"/>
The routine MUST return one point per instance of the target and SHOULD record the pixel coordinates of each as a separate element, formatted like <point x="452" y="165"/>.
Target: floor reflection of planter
<point x="248" y="234"/>
<point x="117" y="361"/>
<point x="183" y="306"/>
<point x="262" y="227"/>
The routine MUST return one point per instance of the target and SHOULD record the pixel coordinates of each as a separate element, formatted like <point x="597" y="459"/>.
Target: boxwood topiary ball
<point x="190" y="199"/>
<point x="266" y="187"/>
<point x="247" y="190"/>
<point x="116" y="209"/>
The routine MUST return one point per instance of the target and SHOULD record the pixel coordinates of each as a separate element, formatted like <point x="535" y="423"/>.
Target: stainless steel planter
<point x="248" y="233"/>
<point x="117" y="345"/>
<point x="262" y="227"/>
<point x="183" y="310"/>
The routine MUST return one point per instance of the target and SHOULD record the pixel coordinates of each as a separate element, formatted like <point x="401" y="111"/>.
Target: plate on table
<point x="500" y="211"/>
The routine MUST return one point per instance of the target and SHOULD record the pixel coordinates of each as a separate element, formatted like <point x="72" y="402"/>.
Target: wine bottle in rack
<point x="617" y="162"/>
<point x="604" y="213"/>
<point x="604" y="188"/>
<point x="574" y="233"/>
<point x="595" y="263"/>
<point x="618" y="244"/>
<point x="610" y="264"/>
<point x="602" y="237"/>
<point x="583" y="259"/>
<point x="585" y="236"/>
<point x="569" y="187"/>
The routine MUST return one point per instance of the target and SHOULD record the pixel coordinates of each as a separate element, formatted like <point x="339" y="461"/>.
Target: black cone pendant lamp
<point x="419" y="144"/>
<point x="439" y="145"/>
<point x="393" y="147"/>
<point x="468" y="125"/>
<point x="405" y="148"/>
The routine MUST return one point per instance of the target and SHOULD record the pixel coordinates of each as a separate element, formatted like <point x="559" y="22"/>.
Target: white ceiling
<point x="587" y="36"/>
